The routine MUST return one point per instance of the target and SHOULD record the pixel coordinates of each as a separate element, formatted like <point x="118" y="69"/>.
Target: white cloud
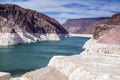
<point x="95" y="8"/>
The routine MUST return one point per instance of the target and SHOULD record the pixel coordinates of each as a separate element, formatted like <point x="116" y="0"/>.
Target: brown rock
<point x="108" y="31"/>
<point x="82" y="25"/>
<point x="13" y="16"/>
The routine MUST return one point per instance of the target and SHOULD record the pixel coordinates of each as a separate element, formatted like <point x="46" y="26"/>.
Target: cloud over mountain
<point x="66" y="9"/>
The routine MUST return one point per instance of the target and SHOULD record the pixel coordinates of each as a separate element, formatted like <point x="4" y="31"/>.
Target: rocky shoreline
<point x="7" y="39"/>
<point x="95" y="63"/>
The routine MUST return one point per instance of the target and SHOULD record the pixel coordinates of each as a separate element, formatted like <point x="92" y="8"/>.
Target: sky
<point x="62" y="10"/>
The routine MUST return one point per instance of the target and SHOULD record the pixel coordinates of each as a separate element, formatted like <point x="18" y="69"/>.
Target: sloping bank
<point x="97" y="62"/>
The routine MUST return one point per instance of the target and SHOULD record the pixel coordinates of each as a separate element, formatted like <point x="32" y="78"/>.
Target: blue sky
<point x="62" y="10"/>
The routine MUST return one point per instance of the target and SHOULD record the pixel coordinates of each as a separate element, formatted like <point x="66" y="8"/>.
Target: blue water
<point x="22" y="58"/>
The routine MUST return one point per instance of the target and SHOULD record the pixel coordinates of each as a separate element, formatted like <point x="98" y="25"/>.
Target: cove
<point x="22" y="58"/>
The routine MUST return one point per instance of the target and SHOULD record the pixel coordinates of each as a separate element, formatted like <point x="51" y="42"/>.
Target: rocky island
<point x="99" y="61"/>
<point x="20" y="25"/>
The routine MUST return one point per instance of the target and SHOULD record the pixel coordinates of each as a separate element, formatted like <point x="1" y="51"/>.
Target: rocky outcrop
<point x="4" y="76"/>
<point x="19" y="25"/>
<point x="83" y="25"/>
<point x="97" y="62"/>
<point x="48" y="73"/>
<point x="108" y="32"/>
<point x="115" y="20"/>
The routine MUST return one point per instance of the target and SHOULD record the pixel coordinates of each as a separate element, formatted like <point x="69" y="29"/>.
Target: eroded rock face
<point x="97" y="62"/>
<point x="111" y="36"/>
<point x="48" y="73"/>
<point x="15" y="20"/>
<point x="115" y="19"/>
<point x="108" y="31"/>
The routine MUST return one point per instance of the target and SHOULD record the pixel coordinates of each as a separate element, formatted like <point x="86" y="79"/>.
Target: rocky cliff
<point x="19" y="25"/>
<point x="83" y="25"/>
<point x="108" y="31"/>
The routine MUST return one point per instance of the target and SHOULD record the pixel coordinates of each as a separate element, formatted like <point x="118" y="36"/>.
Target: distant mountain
<point x="82" y="25"/>
<point x="108" y="31"/>
<point x="19" y="25"/>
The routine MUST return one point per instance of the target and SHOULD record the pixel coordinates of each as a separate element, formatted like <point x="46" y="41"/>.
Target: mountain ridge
<point x="82" y="25"/>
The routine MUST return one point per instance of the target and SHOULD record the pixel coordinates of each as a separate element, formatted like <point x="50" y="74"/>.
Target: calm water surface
<point x="21" y="58"/>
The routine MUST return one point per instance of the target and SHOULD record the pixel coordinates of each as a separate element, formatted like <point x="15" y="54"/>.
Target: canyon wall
<point x="82" y="25"/>
<point x="20" y="25"/>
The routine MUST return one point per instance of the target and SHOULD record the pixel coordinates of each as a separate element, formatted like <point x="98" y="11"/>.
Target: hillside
<point x="82" y="25"/>
<point x="108" y="31"/>
<point x="20" y="25"/>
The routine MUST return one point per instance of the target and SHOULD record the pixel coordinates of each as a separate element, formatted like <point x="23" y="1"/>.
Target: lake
<point x="22" y="58"/>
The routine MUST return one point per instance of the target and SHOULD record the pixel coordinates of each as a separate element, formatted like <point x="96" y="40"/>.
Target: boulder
<point x="47" y="73"/>
<point x="5" y="76"/>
